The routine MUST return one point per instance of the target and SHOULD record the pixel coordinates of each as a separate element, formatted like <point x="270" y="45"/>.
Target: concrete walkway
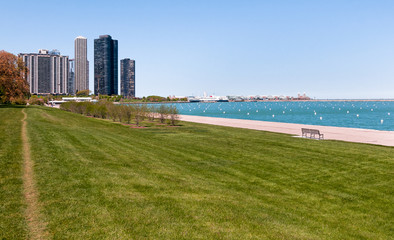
<point x="385" y="138"/>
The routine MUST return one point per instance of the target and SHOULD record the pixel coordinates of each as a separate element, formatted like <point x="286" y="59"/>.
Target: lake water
<point x="377" y="115"/>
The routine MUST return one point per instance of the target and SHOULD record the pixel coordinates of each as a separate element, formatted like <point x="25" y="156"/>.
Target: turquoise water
<point x="377" y="115"/>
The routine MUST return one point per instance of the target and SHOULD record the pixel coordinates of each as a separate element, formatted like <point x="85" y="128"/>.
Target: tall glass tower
<point x="81" y="64"/>
<point x="105" y="65"/>
<point x="71" y="77"/>
<point x="127" y="77"/>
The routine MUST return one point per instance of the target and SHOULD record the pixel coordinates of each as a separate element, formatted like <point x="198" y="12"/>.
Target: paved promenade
<point x="385" y="138"/>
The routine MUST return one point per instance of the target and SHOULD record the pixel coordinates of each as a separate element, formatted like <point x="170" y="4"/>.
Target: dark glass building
<point x="71" y="77"/>
<point x="105" y="65"/>
<point x="127" y="78"/>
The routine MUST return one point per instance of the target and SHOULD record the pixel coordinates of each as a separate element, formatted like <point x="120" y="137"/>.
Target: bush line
<point x="124" y="113"/>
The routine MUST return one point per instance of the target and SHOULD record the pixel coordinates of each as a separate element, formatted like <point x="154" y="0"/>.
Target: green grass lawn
<point x="12" y="223"/>
<point x="102" y="180"/>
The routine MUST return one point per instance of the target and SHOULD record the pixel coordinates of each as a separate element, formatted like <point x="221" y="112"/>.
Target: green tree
<point x="163" y="113"/>
<point x="112" y="111"/>
<point x="127" y="112"/>
<point x="173" y="111"/>
<point x="83" y="93"/>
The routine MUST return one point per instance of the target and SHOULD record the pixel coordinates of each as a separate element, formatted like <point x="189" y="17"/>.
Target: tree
<point x="137" y="114"/>
<point x="83" y="93"/>
<point x="112" y="112"/>
<point x="163" y="113"/>
<point x="127" y="112"/>
<point x="151" y="113"/>
<point x="13" y="84"/>
<point x="173" y="111"/>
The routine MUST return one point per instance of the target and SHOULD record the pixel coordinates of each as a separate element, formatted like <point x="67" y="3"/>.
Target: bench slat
<point x="312" y="133"/>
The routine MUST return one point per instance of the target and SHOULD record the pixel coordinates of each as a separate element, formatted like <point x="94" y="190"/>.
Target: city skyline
<point x="330" y="49"/>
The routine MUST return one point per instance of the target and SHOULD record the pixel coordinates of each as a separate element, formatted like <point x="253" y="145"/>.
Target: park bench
<point x="312" y="133"/>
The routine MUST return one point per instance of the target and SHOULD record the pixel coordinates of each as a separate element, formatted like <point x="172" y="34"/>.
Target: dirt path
<point x="33" y="217"/>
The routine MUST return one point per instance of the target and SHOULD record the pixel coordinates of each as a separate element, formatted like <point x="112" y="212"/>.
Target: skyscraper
<point x="71" y="77"/>
<point x="81" y="64"/>
<point x="127" y="77"/>
<point x="48" y="72"/>
<point x="105" y="65"/>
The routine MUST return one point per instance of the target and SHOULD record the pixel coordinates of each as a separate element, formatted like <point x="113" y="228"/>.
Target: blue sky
<point x="326" y="48"/>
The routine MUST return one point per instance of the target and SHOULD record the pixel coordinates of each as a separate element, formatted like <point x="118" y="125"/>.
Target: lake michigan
<point x="378" y="115"/>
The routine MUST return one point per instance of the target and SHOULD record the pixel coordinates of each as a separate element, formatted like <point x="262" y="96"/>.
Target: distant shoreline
<point x="323" y="100"/>
<point x="352" y="100"/>
<point x="311" y="100"/>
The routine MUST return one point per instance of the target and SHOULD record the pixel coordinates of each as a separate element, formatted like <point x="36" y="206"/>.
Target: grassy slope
<point x="103" y="180"/>
<point x="12" y="224"/>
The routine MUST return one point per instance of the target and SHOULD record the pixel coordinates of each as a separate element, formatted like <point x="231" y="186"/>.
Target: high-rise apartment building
<point x="127" y="78"/>
<point x="48" y="72"/>
<point x="105" y="65"/>
<point x="71" y="77"/>
<point x="81" y="64"/>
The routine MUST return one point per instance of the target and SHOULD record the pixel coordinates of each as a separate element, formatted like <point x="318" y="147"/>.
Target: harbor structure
<point x="127" y="78"/>
<point x="48" y="72"/>
<point x="81" y="64"/>
<point x="105" y="65"/>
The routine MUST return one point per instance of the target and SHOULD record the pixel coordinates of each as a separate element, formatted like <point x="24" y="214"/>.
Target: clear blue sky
<point x="326" y="48"/>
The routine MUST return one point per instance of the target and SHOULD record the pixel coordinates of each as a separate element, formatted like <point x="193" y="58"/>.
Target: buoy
<point x="273" y="115"/>
<point x="358" y="115"/>
<point x="347" y="112"/>
<point x="283" y="112"/>
<point x="388" y="114"/>
<point x="381" y="121"/>
<point x="315" y="113"/>
<point x="257" y="110"/>
<point x="247" y="114"/>
<point x="321" y="118"/>
<point x="224" y="112"/>
<point x="371" y="109"/>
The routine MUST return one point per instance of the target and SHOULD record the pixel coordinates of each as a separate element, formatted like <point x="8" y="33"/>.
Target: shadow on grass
<point x="12" y="106"/>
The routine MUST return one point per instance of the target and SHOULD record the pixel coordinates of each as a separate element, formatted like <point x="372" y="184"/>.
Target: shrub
<point x="127" y="112"/>
<point x="151" y="113"/>
<point x="173" y="111"/>
<point x="18" y="100"/>
<point x="105" y="109"/>
<point x="112" y="112"/>
<point x="36" y="101"/>
<point x="137" y="114"/>
<point x="163" y="112"/>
